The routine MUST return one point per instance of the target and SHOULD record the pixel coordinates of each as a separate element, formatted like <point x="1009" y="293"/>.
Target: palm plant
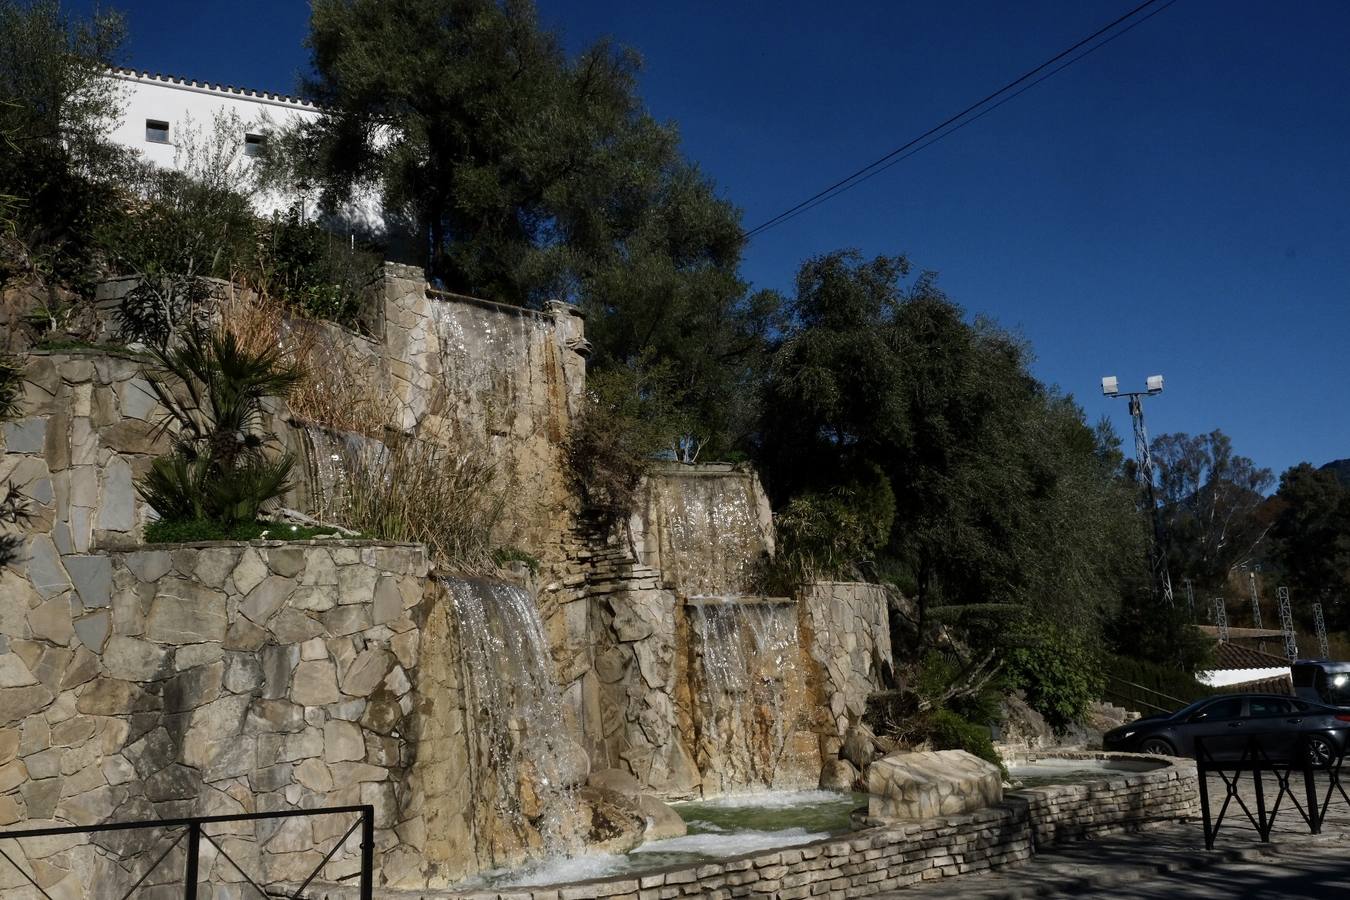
<point x="218" y="469"/>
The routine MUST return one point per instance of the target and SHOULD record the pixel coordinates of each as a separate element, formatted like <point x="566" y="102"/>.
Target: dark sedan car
<point x="1224" y="722"/>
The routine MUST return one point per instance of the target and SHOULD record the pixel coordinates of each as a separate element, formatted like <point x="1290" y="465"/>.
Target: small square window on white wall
<point x="253" y="144"/>
<point x="156" y="131"/>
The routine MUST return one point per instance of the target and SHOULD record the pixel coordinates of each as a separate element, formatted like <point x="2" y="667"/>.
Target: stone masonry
<point x="909" y="787"/>
<point x="847" y="627"/>
<point x="207" y="680"/>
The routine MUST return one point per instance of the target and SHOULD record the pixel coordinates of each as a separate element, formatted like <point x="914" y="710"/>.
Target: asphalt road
<point x="1170" y="862"/>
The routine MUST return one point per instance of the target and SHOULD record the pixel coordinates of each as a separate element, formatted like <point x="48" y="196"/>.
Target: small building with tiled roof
<point x="1237" y="666"/>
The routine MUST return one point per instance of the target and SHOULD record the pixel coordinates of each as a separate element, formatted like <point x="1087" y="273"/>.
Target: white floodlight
<point x="1110" y="385"/>
<point x="1155" y="384"/>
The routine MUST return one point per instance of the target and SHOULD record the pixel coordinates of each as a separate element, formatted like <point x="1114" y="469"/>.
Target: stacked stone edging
<point x="1059" y="813"/>
<point x="880" y="859"/>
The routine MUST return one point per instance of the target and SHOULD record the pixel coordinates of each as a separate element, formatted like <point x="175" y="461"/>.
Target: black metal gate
<point x="193" y="831"/>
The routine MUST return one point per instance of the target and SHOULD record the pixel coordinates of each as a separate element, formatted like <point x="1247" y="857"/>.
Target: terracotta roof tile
<point x="1235" y="656"/>
<point x="1280" y="684"/>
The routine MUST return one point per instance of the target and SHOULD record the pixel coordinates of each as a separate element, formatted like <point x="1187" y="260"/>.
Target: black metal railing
<point x="1140" y="698"/>
<point x="194" y="833"/>
<point x="1296" y="770"/>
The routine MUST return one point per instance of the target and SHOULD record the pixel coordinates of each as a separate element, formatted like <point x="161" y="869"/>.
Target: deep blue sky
<point x="1175" y="203"/>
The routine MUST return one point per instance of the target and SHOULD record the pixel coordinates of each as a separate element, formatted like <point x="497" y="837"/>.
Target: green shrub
<point x="310" y="269"/>
<point x="504" y="555"/>
<point x="1126" y="672"/>
<point x="948" y="731"/>
<point x="628" y="418"/>
<point x="1061" y="675"/>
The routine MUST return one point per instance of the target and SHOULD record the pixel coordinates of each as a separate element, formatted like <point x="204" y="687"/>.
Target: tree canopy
<point x="57" y="168"/>
<point x="526" y="175"/>
<point x="993" y="498"/>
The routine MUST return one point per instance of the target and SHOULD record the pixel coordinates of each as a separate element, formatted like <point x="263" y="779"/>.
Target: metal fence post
<point x="1204" y="791"/>
<point x="367" y="852"/>
<point x="193" y="850"/>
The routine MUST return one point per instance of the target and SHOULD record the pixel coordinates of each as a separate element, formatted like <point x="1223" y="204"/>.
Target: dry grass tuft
<point x="419" y="491"/>
<point x="333" y="390"/>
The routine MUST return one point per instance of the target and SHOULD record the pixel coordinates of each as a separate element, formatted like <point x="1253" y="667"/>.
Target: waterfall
<point x="749" y="659"/>
<point x="332" y="460"/>
<point x="523" y="754"/>
<point x="708" y="537"/>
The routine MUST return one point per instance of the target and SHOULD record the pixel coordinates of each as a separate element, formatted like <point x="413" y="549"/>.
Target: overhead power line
<point x="1055" y="64"/>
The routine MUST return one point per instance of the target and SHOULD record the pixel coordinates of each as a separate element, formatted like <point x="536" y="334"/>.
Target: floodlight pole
<point x="1144" y="472"/>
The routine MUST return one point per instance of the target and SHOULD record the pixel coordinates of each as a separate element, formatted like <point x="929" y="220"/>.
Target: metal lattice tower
<point x="1287" y="624"/>
<point x="1321" y="625"/>
<point x="1256" y="601"/>
<point x="1221" y="619"/>
<point x="1190" y="598"/>
<point x="1144" y="472"/>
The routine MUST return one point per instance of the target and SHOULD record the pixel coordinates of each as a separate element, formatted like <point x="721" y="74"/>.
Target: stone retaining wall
<point x="885" y="858"/>
<point x="847" y="629"/>
<point x="212" y="679"/>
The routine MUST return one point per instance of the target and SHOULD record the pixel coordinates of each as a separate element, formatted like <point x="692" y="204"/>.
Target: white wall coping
<point x="220" y="90"/>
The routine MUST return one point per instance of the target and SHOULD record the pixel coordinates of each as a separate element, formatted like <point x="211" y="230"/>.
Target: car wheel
<point x="1320" y="751"/>
<point x="1158" y="747"/>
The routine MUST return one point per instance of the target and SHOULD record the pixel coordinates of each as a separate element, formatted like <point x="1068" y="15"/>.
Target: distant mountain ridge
<point x="1342" y="469"/>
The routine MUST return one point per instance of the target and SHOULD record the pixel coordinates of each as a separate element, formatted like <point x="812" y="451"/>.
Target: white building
<point x="162" y="114"/>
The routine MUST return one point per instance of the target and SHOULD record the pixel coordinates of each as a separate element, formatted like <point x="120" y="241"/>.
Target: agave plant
<point x="213" y="392"/>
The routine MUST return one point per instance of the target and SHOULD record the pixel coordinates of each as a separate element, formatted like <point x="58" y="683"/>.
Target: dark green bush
<point x="628" y="418"/>
<point x="1061" y="675"/>
<point x="834" y="534"/>
<point x="948" y="731"/>
<point x="1175" y="683"/>
<point x="311" y="269"/>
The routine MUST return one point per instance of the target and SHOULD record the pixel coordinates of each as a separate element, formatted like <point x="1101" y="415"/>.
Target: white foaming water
<point x="690" y="848"/>
<point x="732" y="843"/>
<point x="767" y="799"/>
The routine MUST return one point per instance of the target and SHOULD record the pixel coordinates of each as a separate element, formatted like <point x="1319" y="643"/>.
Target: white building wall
<point x="188" y="105"/>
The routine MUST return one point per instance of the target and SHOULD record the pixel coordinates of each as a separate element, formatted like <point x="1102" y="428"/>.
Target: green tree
<point x="1005" y="501"/>
<point x="1311" y="537"/>
<point x="526" y="175"/>
<point x="1210" y="497"/>
<point x="56" y="109"/>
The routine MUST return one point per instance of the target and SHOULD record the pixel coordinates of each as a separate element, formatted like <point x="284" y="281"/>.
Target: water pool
<point x="1048" y="770"/>
<point x="718" y="828"/>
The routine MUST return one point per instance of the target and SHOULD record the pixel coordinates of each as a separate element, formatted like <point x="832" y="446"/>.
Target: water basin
<point x="1049" y="770"/>
<point x="718" y="828"/>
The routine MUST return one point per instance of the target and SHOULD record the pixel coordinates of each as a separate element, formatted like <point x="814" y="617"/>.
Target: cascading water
<point x="522" y="750"/>
<point x="709" y="539"/>
<point x="749" y="656"/>
<point x="332" y="460"/>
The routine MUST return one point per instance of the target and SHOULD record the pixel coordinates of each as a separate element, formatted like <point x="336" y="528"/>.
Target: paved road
<point x="1170" y="861"/>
